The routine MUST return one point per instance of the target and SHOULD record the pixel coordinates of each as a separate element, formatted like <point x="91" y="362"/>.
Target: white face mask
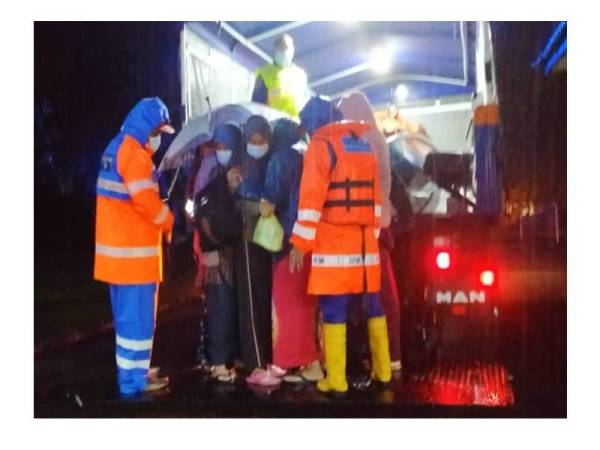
<point x="154" y="142"/>
<point x="283" y="58"/>
<point x="223" y="156"/>
<point x="257" y="151"/>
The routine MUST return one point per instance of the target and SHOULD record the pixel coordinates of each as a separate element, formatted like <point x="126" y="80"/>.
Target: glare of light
<point x="189" y="207"/>
<point x="442" y="260"/>
<point x="487" y="277"/>
<point x="300" y="146"/>
<point x="441" y="241"/>
<point x="380" y="60"/>
<point x="401" y="93"/>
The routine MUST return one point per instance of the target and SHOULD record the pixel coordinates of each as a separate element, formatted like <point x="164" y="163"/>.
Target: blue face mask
<point x="224" y="156"/>
<point x="257" y="151"/>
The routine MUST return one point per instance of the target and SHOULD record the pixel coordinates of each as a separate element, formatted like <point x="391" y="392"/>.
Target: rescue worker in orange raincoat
<point x="130" y="221"/>
<point x="338" y="221"/>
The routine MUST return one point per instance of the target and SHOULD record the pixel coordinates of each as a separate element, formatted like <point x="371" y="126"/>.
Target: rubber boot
<point x="334" y="337"/>
<point x="380" y="349"/>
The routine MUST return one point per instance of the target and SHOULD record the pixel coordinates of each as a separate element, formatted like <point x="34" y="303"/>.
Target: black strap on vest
<point x="348" y="203"/>
<point x="347" y="184"/>
<point x="350" y="184"/>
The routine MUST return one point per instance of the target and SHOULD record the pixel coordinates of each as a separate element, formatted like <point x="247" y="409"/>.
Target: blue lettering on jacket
<point x="353" y="145"/>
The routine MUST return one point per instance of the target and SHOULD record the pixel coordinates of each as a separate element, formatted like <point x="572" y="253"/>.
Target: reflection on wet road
<point x="529" y="380"/>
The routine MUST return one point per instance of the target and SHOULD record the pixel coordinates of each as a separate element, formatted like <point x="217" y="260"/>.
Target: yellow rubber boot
<point x="380" y="349"/>
<point x="334" y="337"/>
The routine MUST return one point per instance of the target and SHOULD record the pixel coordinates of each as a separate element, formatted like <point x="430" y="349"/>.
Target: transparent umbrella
<point x="200" y="129"/>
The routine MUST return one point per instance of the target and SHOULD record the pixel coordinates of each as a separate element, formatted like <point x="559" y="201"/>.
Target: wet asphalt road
<point x="78" y="380"/>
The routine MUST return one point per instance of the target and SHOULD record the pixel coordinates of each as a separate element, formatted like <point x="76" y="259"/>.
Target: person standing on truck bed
<point x="253" y="263"/>
<point x="281" y="85"/>
<point x="130" y="221"/>
<point x="338" y="221"/>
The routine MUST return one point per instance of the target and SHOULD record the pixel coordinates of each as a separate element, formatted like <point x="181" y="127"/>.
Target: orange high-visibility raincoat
<point x="130" y="216"/>
<point x="339" y="211"/>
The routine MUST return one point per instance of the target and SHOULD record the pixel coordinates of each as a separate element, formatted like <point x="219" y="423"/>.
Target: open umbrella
<point x="200" y="129"/>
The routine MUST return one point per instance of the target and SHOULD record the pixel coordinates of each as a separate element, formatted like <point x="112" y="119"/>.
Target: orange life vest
<point x="339" y="211"/>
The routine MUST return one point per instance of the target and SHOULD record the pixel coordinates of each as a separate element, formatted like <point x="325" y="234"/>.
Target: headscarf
<point x="257" y="124"/>
<point x="229" y="135"/>
<point x="285" y="134"/>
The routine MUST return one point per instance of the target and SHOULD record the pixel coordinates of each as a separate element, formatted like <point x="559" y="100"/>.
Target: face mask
<point x="223" y="156"/>
<point x="155" y="142"/>
<point x="283" y="58"/>
<point x="257" y="151"/>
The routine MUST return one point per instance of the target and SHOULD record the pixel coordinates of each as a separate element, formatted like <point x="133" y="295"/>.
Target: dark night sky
<point x="90" y="74"/>
<point x="533" y="110"/>
<point x="93" y="73"/>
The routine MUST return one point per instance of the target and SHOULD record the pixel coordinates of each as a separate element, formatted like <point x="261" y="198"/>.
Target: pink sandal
<point x="269" y="377"/>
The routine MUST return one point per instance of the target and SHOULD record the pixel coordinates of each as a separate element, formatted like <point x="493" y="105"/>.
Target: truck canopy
<point x="432" y="60"/>
<point x="434" y="73"/>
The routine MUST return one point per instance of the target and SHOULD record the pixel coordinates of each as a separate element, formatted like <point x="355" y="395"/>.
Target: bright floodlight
<point x="401" y="93"/>
<point x="381" y="60"/>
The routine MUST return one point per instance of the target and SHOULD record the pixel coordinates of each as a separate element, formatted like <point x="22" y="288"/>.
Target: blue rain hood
<point x="144" y="118"/>
<point x="317" y="113"/>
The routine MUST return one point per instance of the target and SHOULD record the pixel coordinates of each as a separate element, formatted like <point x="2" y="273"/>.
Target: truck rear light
<point x="487" y="277"/>
<point x="442" y="260"/>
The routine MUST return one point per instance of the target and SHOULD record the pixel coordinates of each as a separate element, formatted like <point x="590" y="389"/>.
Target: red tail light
<point x="442" y="260"/>
<point x="487" y="277"/>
